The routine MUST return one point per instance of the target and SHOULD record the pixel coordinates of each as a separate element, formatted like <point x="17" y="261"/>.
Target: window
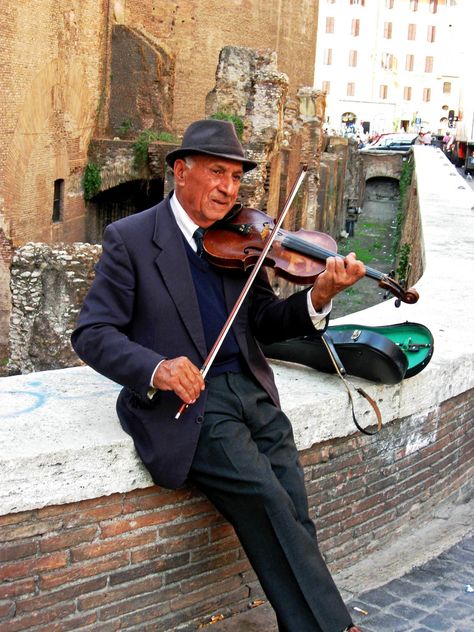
<point x="410" y="62"/>
<point x="387" y="30"/>
<point x="412" y="31"/>
<point x="383" y="92"/>
<point x="329" y="25"/>
<point x="413" y="5"/>
<point x="407" y="93"/>
<point x="389" y="4"/>
<point x="58" y="201"/>
<point x="388" y="61"/>
<point x="433" y="6"/>
<point x="429" y="64"/>
<point x="327" y="56"/>
<point x="351" y="89"/>
<point x="430" y="36"/>
<point x="355" y="27"/>
<point x="446" y="87"/>
<point x="359" y="2"/>
<point x="326" y="86"/>
<point x="353" y="58"/>
<point x="426" y="94"/>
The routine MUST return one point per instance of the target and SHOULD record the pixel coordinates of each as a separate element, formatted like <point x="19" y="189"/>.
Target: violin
<point x="237" y="241"/>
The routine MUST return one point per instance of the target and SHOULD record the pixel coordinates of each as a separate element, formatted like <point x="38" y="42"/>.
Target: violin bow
<point x="251" y="278"/>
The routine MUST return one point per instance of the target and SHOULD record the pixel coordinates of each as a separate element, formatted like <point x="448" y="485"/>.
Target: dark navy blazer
<point x="142" y="308"/>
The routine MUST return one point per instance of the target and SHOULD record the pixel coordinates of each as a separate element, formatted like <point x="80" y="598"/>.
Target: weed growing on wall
<point x="92" y="180"/>
<point x="233" y="118"/>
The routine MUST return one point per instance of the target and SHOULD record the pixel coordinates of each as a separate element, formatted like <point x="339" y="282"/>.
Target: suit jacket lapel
<point x="172" y="263"/>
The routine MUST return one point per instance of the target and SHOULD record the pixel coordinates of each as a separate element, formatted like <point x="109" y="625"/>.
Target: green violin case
<point x="386" y="354"/>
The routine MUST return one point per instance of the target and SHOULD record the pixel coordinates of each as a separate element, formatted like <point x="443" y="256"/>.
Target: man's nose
<point x="227" y="184"/>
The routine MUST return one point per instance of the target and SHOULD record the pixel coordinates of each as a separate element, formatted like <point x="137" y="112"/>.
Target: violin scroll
<point x="409" y="296"/>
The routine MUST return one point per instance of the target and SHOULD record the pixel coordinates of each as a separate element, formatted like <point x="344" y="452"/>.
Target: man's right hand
<point x="181" y="376"/>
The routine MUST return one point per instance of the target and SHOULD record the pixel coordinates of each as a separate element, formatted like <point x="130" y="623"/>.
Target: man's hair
<point x="189" y="161"/>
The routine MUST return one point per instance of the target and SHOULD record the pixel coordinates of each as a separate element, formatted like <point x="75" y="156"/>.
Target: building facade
<point x="389" y="65"/>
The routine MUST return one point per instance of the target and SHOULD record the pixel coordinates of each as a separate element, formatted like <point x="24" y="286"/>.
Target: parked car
<point x="392" y="142"/>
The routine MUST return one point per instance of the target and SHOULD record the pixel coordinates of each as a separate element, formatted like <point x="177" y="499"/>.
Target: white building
<point x="388" y="65"/>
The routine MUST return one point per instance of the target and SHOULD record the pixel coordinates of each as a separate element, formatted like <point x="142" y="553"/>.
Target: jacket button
<point x="199" y="419"/>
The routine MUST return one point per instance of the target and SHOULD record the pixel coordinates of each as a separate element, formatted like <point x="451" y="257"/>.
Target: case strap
<point x="341" y="371"/>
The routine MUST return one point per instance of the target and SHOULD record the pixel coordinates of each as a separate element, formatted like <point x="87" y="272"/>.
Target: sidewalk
<point x="416" y="585"/>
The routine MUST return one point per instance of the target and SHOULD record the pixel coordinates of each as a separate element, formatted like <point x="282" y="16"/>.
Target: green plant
<point x="92" y="180"/>
<point x="404" y="187"/>
<point x="233" y="118"/>
<point x="140" y="147"/>
<point x="167" y="137"/>
<point x="403" y="262"/>
<point x="125" y="127"/>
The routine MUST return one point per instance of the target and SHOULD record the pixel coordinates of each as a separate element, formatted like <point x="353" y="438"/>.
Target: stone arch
<point x="119" y="201"/>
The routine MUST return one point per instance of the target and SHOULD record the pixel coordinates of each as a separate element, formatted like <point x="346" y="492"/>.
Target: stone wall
<point x="48" y="288"/>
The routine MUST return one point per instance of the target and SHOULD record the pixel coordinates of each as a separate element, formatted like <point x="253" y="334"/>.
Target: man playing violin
<point x="148" y="322"/>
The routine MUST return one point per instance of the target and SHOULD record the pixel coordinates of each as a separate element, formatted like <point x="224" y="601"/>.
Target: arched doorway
<point x="120" y="201"/>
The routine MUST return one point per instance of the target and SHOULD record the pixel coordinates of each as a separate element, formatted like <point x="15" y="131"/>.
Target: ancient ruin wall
<point x="48" y="284"/>
<point x="196" y="31"/>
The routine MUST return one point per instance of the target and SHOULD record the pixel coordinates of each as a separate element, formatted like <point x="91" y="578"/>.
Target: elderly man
<point x="148" y="322"/>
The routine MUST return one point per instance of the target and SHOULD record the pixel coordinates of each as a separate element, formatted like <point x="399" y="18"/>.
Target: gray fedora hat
<point x="214" y="138"/>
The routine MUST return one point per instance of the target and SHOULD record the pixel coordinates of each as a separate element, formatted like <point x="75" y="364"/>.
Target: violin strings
<point x="300" y="245"/>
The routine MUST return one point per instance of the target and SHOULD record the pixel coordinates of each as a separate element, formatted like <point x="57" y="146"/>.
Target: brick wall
<point x="166" y="560"/>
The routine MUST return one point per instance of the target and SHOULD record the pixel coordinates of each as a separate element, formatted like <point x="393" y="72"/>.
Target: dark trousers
<point x="247" y="464"/>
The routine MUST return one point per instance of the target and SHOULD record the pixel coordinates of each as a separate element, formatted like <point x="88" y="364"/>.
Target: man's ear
<point x="179" y="169"/>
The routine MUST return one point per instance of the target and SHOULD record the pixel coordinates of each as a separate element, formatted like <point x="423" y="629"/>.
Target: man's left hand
<point x="338" y="275"/>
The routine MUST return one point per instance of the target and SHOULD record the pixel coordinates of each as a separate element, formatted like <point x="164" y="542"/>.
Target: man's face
<point x="207" y="187"/>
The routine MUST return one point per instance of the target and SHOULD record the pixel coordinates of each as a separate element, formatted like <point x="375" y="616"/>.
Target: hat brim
<point x="182" y="152"/>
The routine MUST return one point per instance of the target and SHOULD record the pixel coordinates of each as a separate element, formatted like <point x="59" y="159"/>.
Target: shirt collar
<point x="185" y="223"/>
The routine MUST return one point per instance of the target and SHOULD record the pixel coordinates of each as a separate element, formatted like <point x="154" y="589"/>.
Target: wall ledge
<point x="61" y="441"/>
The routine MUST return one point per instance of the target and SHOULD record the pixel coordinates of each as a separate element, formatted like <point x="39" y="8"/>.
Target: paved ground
<point x="420" y="584"/>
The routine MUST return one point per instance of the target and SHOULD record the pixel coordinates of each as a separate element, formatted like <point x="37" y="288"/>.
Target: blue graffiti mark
<point x="44" y="392"/>
<point x="39" y="401"/>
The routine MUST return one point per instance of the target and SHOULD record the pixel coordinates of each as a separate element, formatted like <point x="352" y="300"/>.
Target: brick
<point x="15" y="518"/>
<point x="92" y="516"/>
<point x="202" y="522"/>
<point x="17" y="551"/>
<point x="72" y="623"/>
<point x="37" y="618"/>
<point x="77" y="507"/>
<point x="29" y="530"/>
<point x="156" y="499"/>
<point x="222" y="546"/>
<point x="205" y="595"/>
<point x="17" y="588"/>
<point x="156" y="566"/>
<point x="51" y="598"/>
<point x="153" y="518"/>
<point x="80" y="571"/>
<point x="152" y="613"/>
<point x="192" y="570"/>
<point x="222" y="531"/>
<point x="7" y="609"/>
<point x="217" y="576"/>
<point x="65" y="539"/>
<point x="104" y="547"/>
<point x="168" y="547"/>
<point x="137" y="603"/>
<point x="15" y="570"/>
<point x="104" y="597"/>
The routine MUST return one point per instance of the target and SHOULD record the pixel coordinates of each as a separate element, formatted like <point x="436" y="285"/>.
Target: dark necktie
<point x="198" y="235"/>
